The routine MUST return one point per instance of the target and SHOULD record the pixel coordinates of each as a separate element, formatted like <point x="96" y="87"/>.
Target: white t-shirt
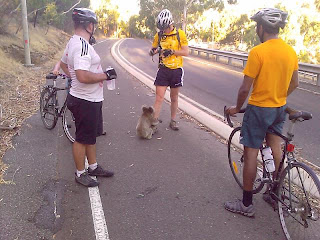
<point x="80" y="55"/>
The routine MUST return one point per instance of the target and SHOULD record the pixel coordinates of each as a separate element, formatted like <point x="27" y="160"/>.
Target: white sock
<point x="93" y="166"/>
<point x="80" y="172"/>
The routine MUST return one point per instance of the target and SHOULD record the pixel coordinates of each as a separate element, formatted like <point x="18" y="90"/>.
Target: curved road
<point x="215" y="85"/>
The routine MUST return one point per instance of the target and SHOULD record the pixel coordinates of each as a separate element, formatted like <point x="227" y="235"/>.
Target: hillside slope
<point x="20" y="86"/>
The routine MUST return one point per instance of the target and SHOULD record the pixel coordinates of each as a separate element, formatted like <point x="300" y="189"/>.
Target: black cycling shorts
<point x="169" y="77"/>
<point x="88" y="116"/>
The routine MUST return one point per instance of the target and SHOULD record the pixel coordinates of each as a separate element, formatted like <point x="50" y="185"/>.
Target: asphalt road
<point x="172" y="187"/>
<point x="215" y="85"/>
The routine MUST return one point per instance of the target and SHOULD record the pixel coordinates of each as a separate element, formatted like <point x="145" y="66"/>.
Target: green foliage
<point x="135" y="29"/>
<point x="149" y="9"/>
<point x="50" y="15"/>
<point x="43" y="11"/>
<point x="108" y="18"/>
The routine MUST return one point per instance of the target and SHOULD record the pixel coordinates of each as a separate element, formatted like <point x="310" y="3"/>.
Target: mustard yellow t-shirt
<point x="170" y="41"/>
<point x="271" y="64"/>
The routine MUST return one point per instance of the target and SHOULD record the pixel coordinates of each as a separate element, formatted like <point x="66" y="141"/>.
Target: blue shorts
<point x="169" y="77"/>
<point x="258" y="121"/>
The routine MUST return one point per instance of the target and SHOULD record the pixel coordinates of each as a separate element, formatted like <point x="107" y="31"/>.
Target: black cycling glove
<point x="167" y="52"/>
<point x="111" y="73"/>
<point x="151" y="53"/>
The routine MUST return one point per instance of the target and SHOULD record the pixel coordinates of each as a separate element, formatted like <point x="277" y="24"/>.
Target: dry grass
<point x="19" y="86"/>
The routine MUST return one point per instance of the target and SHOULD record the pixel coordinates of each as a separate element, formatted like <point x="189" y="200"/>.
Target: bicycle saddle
<point x="295" y="115"/>
<point x="51" y="76"/>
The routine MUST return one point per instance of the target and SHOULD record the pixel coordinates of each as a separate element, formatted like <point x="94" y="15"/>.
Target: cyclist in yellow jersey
<point x="171" y="46"/>
<point x="272" y="71"/>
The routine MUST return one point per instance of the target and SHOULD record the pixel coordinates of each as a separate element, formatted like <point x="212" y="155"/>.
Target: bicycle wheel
<point x="48" y="112"/>
<point x="236" y="161"/>
<point x="68" y="124"/>
<point x="299" y="205"/>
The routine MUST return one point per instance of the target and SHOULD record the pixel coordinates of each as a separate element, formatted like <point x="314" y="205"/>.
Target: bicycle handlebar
<point x="54" y="76"/>
<point x="227" y="116"/>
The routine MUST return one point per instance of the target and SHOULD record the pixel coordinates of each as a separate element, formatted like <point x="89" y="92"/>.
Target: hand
<point x="56" y="72"/>
<point x="232" y="111"/>
<point x="153" y="51"/>
<point x="167" y="52"/>
<point x="110" y="73"/>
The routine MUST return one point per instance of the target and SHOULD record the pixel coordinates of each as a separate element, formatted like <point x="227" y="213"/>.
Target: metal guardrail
<point x="310" y="70"/>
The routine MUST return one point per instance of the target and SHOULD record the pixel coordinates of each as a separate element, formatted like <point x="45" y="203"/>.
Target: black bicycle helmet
<point x="84" y="15"/>
<point x="272" y="17"/>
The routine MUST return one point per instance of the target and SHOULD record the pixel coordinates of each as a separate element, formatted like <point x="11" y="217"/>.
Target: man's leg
<point x="160" y="91"/>
<point x="174" y="95"/>
<point x="249" y="174"/>
<point x="174" y="92"/>
<point x="91" y="154"/>
<point x="245" y="206"/>
<point x="79" y="152"/>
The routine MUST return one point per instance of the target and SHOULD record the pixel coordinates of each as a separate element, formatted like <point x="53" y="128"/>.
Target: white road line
<point x="99" y="220"/>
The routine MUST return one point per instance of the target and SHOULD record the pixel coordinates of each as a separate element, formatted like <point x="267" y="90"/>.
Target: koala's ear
<point x="144" y="108"/>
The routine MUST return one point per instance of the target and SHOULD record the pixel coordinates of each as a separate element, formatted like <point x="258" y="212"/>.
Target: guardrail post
<point x="229" y="61"/>
<point x="208" y="55"/>
<point x="217" y="58"/>
<point x="192" y="51"/>
<point x="318" y="79"/>
<point x="199" y="52"/>
<point x="244" y="63"/>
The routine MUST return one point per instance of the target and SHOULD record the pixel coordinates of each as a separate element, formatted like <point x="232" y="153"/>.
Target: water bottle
<point x="268" y="159"/>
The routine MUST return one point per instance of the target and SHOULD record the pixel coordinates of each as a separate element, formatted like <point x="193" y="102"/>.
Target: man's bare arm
<point x="184" y="51"/>
<point x="294" y="82"/>
<point x="244" y="91"/>
<point x="64" y="68"/>
<point x="84" y="76"/>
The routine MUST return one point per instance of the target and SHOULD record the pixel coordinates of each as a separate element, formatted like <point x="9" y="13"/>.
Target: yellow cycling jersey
<point x="170" y="41"/>
<point x="271" y="65"/>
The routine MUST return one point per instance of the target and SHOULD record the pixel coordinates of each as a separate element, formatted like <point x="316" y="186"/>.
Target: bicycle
<point x="295" y="188"/>
<point x="49" y="107"/>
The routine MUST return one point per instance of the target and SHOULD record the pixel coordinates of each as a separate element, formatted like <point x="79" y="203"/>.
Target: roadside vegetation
<point x="20" y="86"/>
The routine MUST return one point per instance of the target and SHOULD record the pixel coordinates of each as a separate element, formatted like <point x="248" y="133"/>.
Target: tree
<point x="108" y="18"/>
<point x="183" y="11"/>
<point x="317" y="4"/>
<point x="135" y="26"/>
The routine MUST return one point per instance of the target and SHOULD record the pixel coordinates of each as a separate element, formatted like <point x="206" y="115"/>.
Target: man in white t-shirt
<point x="86" y="94"/>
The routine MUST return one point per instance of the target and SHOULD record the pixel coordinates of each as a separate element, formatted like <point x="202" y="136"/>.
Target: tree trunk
<point x="184" y="20"/>
<point x="185" y="9"/>
<point x="47" y="29"/>
<point x="35" y="19"/>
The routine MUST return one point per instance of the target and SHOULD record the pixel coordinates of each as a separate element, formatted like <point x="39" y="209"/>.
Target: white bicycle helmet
<point x="271" y="17"/>
<point x="164" y="19"/>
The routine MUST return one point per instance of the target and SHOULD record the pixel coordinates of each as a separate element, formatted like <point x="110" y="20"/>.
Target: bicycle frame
<point x="287" y="152"/>
<point x="55" y="89"/>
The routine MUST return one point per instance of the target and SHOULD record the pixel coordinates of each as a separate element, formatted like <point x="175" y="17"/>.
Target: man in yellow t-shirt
<point x="172" y="47"/>
<point x="272" y="71"/>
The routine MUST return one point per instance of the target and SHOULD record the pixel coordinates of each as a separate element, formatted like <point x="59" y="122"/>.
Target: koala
<point x="146" y="127"/>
